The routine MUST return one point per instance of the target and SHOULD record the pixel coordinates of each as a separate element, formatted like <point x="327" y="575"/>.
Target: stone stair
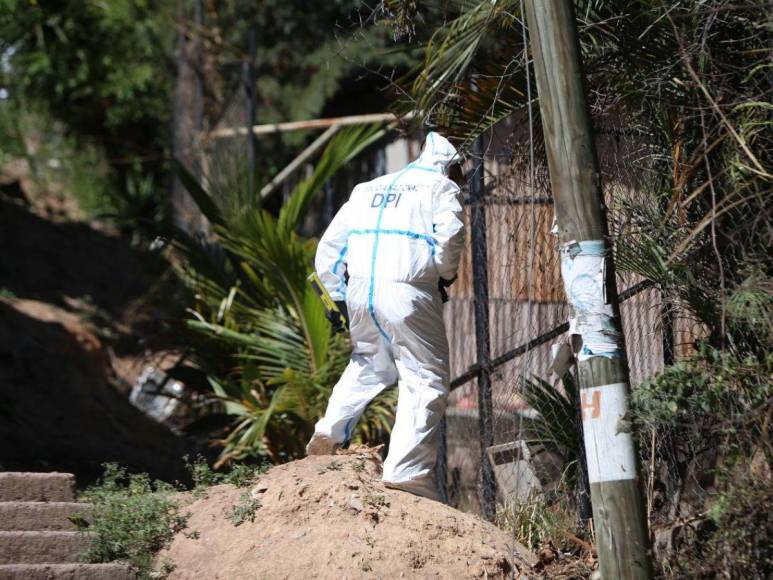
<point x="37" y="540"/>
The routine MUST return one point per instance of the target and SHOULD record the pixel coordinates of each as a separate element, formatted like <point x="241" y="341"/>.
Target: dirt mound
<point x="331" y="517"/>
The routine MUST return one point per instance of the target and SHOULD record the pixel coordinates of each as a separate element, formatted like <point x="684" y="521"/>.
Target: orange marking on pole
<point x="594" y="406"/>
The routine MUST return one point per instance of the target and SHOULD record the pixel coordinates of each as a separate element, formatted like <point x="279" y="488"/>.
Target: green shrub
<point x="703" y="429"/>
<point x="260" y="329"/>
<point x="733" y="541"/>
<point x="714" y="398"/>
<point x="134" y="518"/>
<point x="242" y="475"/>
<point x="741" y="547"/>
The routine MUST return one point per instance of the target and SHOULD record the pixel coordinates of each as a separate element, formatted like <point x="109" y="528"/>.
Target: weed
<point x="241" y="475"/>
<point x="534" y="522"/>
<point x="201" y="473"/>
<point x="6" y="293"/>
<point x="244" y="511"/>
<point x="134" y="518"/>
<point x="731" y="539"/>
<point x="375" y="500"/>
<point x="332" y="466"/>
<point x="359" y="466"/>
<point x="166" y="568"/>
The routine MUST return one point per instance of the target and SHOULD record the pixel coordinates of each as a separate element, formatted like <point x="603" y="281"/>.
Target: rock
<point x="258" y="490"/>
<point x="356" y="504"/>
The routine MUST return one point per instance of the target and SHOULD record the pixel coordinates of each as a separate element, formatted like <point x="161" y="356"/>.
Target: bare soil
<point x="331" y="517"/>
<point x="74" y="335"/>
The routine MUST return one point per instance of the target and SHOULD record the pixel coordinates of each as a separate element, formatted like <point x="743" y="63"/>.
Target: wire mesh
<point x="527" y="311"/>
<point x="526" y="305"/>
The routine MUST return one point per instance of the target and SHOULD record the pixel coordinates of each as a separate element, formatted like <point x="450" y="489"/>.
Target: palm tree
<point x="254" y="306"/>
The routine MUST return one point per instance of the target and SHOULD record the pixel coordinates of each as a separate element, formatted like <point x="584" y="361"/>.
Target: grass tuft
<point x="244" y="511"/>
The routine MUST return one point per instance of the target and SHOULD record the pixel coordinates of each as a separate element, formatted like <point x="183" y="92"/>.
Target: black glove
<point x="442" y="284"/>
<point x="335" y="320"/>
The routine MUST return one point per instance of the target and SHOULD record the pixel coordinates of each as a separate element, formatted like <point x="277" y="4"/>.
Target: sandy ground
<point x="330" y="517"/>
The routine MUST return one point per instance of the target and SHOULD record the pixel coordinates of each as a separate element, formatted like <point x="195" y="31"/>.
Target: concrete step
<point x="42" y="547"/>
<point x="41" y="516"/>
<point x="113" y="571"/>
<point x="20" y="486"/>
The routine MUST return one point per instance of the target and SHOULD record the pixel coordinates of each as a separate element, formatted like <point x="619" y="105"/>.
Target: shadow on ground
<point x="60" y="406"/>
<point x="52" y="260"/>
<point x="58" y="410"/>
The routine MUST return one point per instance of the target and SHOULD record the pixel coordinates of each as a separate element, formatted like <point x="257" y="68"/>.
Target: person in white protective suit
<point x="385" y="259"/>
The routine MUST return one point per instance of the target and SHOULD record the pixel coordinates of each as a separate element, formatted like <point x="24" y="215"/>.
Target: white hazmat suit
<point x="395" y="237"/>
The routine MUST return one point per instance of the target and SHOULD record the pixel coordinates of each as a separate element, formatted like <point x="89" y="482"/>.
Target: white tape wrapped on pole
<point x="583" y="270"/>
<point x="609" y="450"/>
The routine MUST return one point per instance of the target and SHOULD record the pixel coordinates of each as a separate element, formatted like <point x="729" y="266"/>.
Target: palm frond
<point x="555" y="427"/>
<point x="467" y="83"/>
<point x="203" y="199"/>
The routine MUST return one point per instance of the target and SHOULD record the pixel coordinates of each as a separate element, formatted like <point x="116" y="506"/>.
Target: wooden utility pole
<point x="589" y="279"/>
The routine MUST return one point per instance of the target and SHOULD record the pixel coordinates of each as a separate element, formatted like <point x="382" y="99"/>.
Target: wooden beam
<point x="589" y="279"/>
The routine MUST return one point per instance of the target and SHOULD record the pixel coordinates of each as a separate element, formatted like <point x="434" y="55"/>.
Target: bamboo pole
<point x="589" y="279"/>
<point x="304" y="156"/>
<point x="227" y="132"/>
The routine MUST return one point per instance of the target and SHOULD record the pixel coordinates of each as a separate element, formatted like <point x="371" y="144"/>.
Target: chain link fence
<point x="508" y="310"/>
<point x="522" y="294"/>
<point x="488" y="456"/>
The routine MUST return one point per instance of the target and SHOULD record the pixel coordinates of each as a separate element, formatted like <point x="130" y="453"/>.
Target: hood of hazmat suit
<point x="394" y="238"/>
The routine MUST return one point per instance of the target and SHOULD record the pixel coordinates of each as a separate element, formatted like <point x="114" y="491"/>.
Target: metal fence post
<point x="482" y="339"/>
<point x="248" y="77"/>
<point x="667" y="331"/>
<point x="441" y="466"/>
